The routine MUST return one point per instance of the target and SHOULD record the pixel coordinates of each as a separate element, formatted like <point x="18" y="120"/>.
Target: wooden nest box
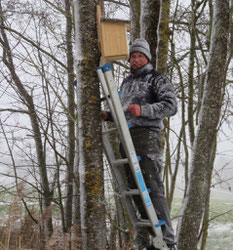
<point x="112" y="36"/>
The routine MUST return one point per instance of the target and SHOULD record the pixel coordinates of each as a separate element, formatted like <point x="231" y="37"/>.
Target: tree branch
<point x="118" y="3"/>
<point x="15" y="111"/>
<point x="34" y="44"/>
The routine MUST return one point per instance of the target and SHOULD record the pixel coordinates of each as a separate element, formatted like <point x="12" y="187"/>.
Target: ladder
<point x="112" y="97"/>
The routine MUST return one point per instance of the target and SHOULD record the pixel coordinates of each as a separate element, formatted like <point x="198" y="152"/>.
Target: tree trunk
<point x="76" y="200"/>
<point x="89" y="124"/>
<point x="191" y="72"/>
<point x="150" y="11"/>
<point x="70" y="115"/>
<point x="163" y="34"/>
<point x="195" y="201"/>
<point x="135" y="7"/>
<point x="205" y="223"/>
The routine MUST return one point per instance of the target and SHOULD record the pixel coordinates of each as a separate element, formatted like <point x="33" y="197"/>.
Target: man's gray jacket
<point x="153" y="92"/>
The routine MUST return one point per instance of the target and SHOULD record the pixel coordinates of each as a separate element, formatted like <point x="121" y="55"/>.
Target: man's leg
<point x="148" y="147"/>
<point x="154" y="182"/>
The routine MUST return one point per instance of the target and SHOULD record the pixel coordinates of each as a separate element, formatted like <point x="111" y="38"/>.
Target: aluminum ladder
<point x="110" y="92"/>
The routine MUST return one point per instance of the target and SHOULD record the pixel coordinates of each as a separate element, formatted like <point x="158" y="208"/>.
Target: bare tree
<point x="29" y="103"/>
<point x="36" y="82"/>
<point x="150" y="12"/>
<point x="135" y="11"/>
<point x="163" y="37"/>
<point x="89" y="124"/>
<point x="195" y="201"/>
<point x="71" y="113"/>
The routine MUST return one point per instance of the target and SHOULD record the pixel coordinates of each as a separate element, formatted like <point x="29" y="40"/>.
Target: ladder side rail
<point x="102" y="79"/>
<point x="106" y="94"/>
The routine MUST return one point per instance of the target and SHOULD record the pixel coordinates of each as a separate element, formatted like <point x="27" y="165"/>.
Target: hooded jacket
<point x="153" y="92"/>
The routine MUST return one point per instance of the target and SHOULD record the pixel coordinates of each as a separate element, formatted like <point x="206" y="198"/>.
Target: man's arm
<point x="166" y="104"/>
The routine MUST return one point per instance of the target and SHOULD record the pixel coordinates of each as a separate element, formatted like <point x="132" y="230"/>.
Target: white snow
<point x="78" y="58"/>
<point x="221" y="227"/>
<point x="78" y="49"/>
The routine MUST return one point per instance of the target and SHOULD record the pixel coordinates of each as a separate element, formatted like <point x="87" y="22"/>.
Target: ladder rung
<point x="120" y="161"/>
<point x="104" y="98"/>
<point x="131" y="192"/>
<point x="108" y="131"/>
<point x="143" y="223"/>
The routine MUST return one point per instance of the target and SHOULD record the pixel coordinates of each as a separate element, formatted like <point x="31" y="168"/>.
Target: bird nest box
<point x="112" y="37"/>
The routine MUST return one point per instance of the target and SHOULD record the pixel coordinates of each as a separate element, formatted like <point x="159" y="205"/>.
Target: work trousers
<point x="147" y="145"/>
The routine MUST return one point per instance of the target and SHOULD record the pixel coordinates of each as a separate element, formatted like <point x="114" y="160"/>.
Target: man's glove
<point x="134" y="110"/>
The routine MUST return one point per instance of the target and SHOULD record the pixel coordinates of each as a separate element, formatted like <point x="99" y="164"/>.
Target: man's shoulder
<point x="127" y="78"/>
<point x="155" y="76"/>
<point x="157" y="73"/>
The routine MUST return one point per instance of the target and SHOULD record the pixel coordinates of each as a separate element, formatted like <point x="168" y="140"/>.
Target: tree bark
<point x="135" y="7"/>
<point x="70" y="115"/>
<point x="195" y="201"/>
<point x="89" y="124"/>
<point x="150" y="12"/>
<point x="163" y="37"/>
<point x="205" y="223"/>
<point x="191" y="72"/>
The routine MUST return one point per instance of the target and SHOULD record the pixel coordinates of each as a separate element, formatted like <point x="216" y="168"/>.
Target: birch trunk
<point x="196" y="199"/>
<point x="89" y="125"/>
<point x="135" y="7"/>
<point x="150" y="11"/>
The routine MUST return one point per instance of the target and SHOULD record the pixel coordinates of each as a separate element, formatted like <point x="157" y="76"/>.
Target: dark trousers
<point x="147" y="145"/>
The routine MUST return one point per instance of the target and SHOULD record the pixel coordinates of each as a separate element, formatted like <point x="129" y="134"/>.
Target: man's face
<point x="137" y="60"/>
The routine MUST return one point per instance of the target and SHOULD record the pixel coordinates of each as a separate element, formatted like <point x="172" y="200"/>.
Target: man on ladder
<point x="147" y="98"/>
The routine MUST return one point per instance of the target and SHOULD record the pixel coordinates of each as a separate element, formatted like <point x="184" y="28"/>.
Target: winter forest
<point x="57" y="190"/>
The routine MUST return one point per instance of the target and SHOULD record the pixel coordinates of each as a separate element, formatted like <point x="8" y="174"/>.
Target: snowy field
<point x="220" y="235"/>
<point x="221" y="228"/>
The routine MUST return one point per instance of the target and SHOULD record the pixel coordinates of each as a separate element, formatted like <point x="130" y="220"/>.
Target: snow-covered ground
<point x="220" y="235"/>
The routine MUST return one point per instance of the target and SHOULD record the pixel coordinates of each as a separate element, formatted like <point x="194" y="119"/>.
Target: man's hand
<point x="104" y="115"/>
<point x="134" y="110"/>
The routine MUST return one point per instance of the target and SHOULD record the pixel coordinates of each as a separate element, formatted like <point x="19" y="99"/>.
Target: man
<point x="147" y="98"/>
